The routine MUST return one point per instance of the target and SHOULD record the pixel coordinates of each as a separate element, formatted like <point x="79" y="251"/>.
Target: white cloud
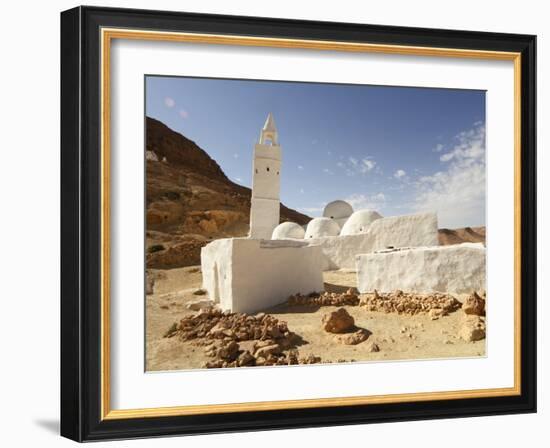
<point x="169" y="102"/>
<point x="235" y="156"/>
<point x="363" y="201"/>
<point x="367" y="165"/>
<point x="362" y="166"/>
<point x="300" y="167"/>
<point x="327" y="171"/>
<point x="184" y="114"/>
<point x="438" y="148"/>
<point x="238" y="179"/>
<point x="312" y="209"/>
<point x="457" y="193"/>
<point x="399" y="174"/>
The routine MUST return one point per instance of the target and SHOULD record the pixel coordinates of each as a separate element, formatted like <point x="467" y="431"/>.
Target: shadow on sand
<point x="339" y="289"/>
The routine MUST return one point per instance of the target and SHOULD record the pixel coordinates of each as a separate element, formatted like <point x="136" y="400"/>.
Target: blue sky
<point x="398" y="150"/>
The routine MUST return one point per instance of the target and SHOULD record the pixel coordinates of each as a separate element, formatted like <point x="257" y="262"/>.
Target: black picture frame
<point x="81" y="224"/>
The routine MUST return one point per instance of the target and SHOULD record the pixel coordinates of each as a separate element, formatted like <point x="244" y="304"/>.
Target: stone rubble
<point x="239" y="339"/>
<point x="350" y="297"/>
<point x="434" y="304"/>
<point x="394" y="302"/>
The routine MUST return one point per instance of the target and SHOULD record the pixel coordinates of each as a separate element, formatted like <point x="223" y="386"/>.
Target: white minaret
<point x="265" y="202"/>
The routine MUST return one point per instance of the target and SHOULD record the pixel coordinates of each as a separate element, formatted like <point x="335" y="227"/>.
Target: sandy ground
<point x="398" y="336"/>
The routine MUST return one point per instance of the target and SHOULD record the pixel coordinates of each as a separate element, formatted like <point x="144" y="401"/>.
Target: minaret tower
<point x="265" y="202"/>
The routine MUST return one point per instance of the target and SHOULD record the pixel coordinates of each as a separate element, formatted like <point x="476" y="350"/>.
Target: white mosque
<point x="277" y="260"/>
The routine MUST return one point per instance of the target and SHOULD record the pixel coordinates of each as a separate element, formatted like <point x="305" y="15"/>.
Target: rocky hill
<point x="464" y="235"/>
<point x="189" y="200"/>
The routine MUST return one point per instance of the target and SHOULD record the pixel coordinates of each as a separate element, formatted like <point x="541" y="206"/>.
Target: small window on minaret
<point x="277" y="173"/>
<point x="256" y="170"/>
<point x="267" y="168"/>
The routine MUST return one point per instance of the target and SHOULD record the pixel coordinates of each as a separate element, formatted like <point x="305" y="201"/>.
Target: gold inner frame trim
<point x="107" y="35"/>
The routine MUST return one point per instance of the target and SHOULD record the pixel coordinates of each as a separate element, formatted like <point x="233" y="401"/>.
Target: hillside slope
<point x="464" y="235"/>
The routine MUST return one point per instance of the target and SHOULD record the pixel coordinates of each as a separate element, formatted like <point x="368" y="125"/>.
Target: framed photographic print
<point x="274" y="223"/>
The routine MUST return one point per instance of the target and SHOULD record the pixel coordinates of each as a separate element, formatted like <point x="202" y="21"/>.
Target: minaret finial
<point x="269" y="131"/>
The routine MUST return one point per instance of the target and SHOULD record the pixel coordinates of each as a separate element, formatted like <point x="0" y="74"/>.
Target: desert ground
<point x="397" y="336"/>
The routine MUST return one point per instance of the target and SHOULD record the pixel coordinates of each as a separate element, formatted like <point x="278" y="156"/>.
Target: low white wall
<point x="339" y="252"/>
<point x="452" y="269"/>
<point x="253" y="275"/>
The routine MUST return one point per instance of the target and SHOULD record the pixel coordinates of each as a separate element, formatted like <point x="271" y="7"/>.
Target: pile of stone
<point x="260" y="353"/>
<point x="434" y="304"/>
<point x="211" y="324"/>
<point x="240" y="339"/>
<point x="350" y="297"/>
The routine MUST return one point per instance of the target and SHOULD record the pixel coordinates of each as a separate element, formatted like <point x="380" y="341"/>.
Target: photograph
<point x="291" y="223"/>
<point x="285" y="221"/>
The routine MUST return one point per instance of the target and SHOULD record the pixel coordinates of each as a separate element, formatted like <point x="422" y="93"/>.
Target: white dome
<point x="359" y="222"/>
<point x="319" y="227"/>
<point x="288" y="230"/>
<point x="338" y="210"/>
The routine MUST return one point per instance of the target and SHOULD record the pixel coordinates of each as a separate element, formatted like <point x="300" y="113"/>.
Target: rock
<point x="293" y="357"/>
<point x="310" y="359"/>
<point x="246" y="359"/>
<point x="473" y="329"/>
<point x="208" y="226"/>
<point x="338" y="321"/>
<point x="216" y="364"/>
<point x="474" y="304"/>
<point x="353" y="338"/>
<point x="198" y="292"/>
<point x="229" y="351"/>
<point x="373" y="347"/>
<point x="264" y="352"/>
<point x="197" y="305"/>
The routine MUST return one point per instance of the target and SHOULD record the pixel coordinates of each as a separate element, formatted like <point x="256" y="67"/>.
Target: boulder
<point x="338" y="321"/>
<point x="353" y="338"/>
<point x="472" y="329"/>
<point x="474" y="304"/>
